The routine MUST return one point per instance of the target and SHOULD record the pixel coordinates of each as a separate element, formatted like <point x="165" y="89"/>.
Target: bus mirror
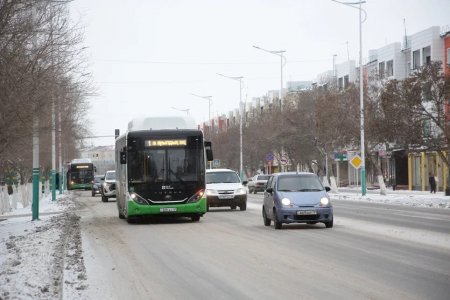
<point x="123" y="157"/>
<point x="209" y="152"/>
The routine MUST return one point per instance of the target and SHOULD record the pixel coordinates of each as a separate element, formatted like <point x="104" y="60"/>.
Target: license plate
<point x="167" y="209"/>
<point x="226" y="196"/>
<point x="306" y="212"/>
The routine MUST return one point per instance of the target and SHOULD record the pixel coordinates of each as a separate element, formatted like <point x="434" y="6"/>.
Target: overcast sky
<point x="148" y="56"/>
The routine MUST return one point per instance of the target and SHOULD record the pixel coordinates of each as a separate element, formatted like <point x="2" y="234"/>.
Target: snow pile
<point x="411" y="198"/>
<point x="42" y="259"/>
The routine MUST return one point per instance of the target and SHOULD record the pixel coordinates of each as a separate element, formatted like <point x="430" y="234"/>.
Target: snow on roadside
<point x="42" y="259"/>
<point x="410" y="198"/>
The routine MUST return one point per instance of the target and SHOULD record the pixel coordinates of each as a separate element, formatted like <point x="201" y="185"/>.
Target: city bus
<point x="80" y="174"/>
<point x="160" y="169"/>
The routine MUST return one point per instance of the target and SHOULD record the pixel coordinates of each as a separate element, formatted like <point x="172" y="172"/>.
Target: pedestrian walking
<point x="432" y="182"/>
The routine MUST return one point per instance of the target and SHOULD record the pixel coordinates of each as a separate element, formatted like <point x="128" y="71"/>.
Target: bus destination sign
<point x="165" y="143"/>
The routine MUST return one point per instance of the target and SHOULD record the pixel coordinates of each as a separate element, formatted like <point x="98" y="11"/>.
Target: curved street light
<point x="357" y="5"/>
<point x="241" y="111"/>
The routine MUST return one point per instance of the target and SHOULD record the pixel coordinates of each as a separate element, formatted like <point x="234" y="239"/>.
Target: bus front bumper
<point x="189" y="209"/>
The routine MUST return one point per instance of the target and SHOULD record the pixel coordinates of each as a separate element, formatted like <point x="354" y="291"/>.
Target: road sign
<point x="216" y="163"/>
<point x="269" y="156"/>
<point x="356" y="161"/>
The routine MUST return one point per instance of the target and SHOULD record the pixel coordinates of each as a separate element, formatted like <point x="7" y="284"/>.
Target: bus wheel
<point x="195" y="218"/>
<point x="131" y="220"/>
<point x="104" y="198"/>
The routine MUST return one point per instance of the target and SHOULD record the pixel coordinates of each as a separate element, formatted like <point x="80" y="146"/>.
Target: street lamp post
<point x="283" y="62"/>
<point x="209" y="110"/>
<point x="361" y="91"/>
<point x="241" y="112"/>
<point x="183" y="110"/>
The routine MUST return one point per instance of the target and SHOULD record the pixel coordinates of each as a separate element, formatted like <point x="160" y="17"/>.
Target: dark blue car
<point x="296" y="198"/>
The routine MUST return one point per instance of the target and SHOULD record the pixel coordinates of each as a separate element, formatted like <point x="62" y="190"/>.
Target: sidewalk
<point x="398" y="197"/>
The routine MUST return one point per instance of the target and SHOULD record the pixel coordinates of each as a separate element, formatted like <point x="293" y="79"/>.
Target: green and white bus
<point x="80" y="174"/>
<point x="160" y="169"/>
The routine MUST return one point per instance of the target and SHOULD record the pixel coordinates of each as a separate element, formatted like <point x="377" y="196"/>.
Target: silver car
<point x="109" y="186"/>
<point x="257" y="183"/>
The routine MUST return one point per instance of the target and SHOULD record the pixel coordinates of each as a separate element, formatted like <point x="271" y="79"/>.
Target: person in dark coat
<point x="432" y="182"/>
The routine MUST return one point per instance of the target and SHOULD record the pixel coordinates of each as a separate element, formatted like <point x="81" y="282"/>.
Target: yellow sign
<point x="356" y="161"/>
<point x="166" y="143"/>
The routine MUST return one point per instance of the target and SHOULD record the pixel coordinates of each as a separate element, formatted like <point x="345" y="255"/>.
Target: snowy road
<point x="374" y="251"/>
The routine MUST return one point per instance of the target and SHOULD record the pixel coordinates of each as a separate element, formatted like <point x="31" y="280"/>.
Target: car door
<point x="268" y="197"/>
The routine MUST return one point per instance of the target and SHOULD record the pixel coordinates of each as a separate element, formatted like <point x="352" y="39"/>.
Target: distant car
<point x="224" y="188"/>
<point x="296" y="198"/>
<point x="97" y="184"/>
<point x="109" y="185"/>
<point x="257" y="183"/>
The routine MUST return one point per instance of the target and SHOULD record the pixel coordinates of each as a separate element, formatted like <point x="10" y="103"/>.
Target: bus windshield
<point x="170" y="165"/>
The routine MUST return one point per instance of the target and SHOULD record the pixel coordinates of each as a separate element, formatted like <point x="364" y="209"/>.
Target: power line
<point x="127" y="61"/>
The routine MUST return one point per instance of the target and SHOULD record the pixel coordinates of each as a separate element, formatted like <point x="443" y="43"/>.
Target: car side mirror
<point x="327" y="188"/>
<point x="269" y="190"/>
<point x="244" y="182"/>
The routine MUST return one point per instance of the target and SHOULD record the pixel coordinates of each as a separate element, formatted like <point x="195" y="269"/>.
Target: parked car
<point x="109" y="185"/>
<point x="296" y="198"/>
<point x="97" y="184"/>
<point x="257" y="183"/>
<point x="224" y="188"/>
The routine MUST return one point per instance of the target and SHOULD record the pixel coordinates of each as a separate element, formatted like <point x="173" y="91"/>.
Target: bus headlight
<point x="196" y="197"/>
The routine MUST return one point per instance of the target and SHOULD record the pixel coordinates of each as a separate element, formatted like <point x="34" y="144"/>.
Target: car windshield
<point x="110" y="176"/>
<point x="303" y="183"/>
<point x="222" y="177"/>
<point x="263" y="177"/>
<point x="98" y="179"/>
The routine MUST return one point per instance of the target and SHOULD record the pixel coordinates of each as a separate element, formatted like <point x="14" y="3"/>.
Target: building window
<point x="341" y="83"/>
<point x="416" y="60"/>
<point x="381" y="69"/>
<point x="426" y="53"/>
<point x="448" y="56"/>
<point x="389" y="68"/>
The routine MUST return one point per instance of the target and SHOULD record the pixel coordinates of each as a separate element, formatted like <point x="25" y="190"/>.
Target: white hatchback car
<point x="224" y="188"/>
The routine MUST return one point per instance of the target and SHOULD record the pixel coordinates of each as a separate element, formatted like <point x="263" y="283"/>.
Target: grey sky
<point x="149" y="56"/>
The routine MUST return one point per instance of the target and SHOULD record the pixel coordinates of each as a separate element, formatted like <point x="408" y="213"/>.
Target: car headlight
<point x="324" y="201"/>
<point x="285" y="201"/>
<point x="210" y="192"/>
<point x="104" y="184"/>
<point x="240" y="191"/>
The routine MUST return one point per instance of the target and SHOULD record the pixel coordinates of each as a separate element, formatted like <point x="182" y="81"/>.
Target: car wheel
<point x="207" y="207"/>
<point x="104" y="198"/>
<point x="329" y="224"/>
<point x="276" y="223"/>
<point x="267" y="221"/>
<point x="121" y="215"/>
<point x="195" y="218"/>
<point x="255" y="191"/>
<point x="233" y="207"/>
<point x="243" y="206"/>
<point x="250" y="190"/>
<point x="93" y="194"/>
